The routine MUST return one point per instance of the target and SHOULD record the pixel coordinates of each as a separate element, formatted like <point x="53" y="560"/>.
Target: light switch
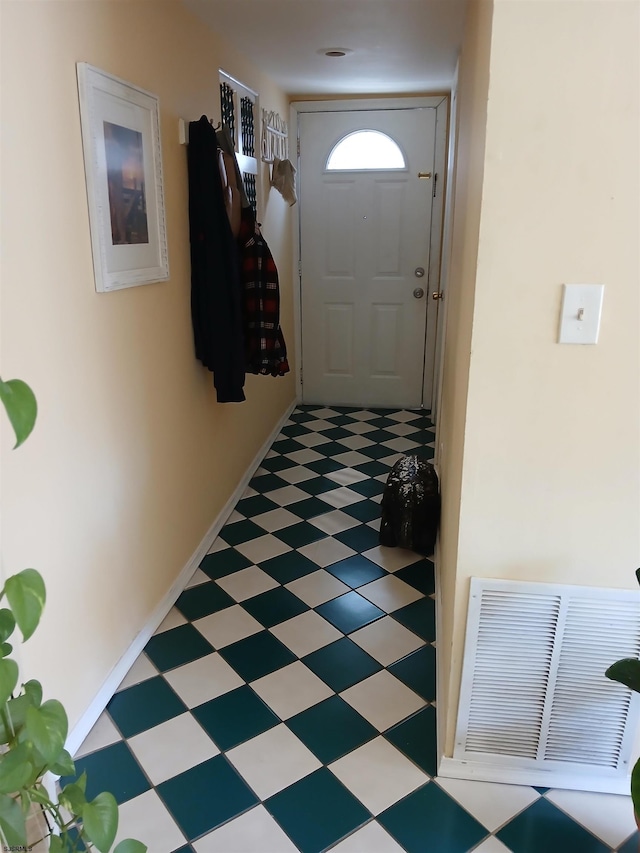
<point x="580" y="314"/>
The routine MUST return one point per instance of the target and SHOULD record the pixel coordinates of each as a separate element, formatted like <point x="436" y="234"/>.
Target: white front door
<point x="364" y="242"/>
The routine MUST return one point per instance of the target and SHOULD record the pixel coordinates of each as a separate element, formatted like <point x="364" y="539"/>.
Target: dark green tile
<point x="235" y="717"/>
<point x="350" y="612"/>
<point x="302" y="417"/>
<point x="112" y="769"/>
<point x="341" y="664"/>
<point x="323" y="466"/>
<point x="356" y="571"/>
<point x="201" y="600"/>
<point x="223" y="563"/>
<point x="340" y="420"/>
<point x="429" y="820"/>
<point x="631" y="845"/>
<point x="275" y="606"/>
<point x="331" y="448"/>
<point x="267" y="483"/>
<point x="292" y="565"/>
<point x="363" y="510"/>
<point x="373" y="469"/>
<point x="360" y="538"/>
<point x="317" y="486"/>
<point x="241" y="531"/>
<point x="277" y="463"/>
<point x="416" y="737"/>
<point x="542" y="790"/>
<point x="377" y="451"/>
<point x="337" y="432"/>
<point x="419" y="617"/>
<point x="423" y="452"/>
<point x="381" y="422"/>
<point x="185" y="849"/>
<point x="369" y="487"/>
<point x="250" y="507"/>
<point x="206" y="796"/>
<point x="257" y="655"/>
<point x="418" y="671"/>
<point x="309" y="508"/>
<point x="380" y="435"/>
<point x="544" y="827"/>
<point x="293" y="430"/>
<point x="144" y="706"/>
<point x="287" y="445"/>
<point x="297" y="535"/>
<point x="317" y="811"/>
<point x="331" y="729"/>
<point x="420" y="576"/>
<point x="177" y="646"/>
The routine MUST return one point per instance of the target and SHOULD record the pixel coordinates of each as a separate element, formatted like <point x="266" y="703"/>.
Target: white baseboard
<point x="454" y="768"/>
<point x="102" y="698"/>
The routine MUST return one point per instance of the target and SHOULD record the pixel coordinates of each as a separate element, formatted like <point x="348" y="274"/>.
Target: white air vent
<point x="535" y="706"/>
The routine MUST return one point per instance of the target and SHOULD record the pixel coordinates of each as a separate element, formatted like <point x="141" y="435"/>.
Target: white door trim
<point x="441" y="105"/>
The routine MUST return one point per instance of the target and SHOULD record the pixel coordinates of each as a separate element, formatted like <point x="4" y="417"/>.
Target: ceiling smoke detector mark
<point x="334" y="52"/>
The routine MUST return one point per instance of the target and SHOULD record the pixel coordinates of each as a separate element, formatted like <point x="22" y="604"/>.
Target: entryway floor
<point x="286" y="703"/>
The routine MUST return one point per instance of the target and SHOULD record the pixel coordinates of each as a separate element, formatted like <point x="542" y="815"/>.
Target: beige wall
<point x="132" y="458"/>
<point x="546" y="465"/>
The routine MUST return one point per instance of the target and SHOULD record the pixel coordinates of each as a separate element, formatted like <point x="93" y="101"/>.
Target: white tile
<point x="346" y="476"/>
<point x="141" y="670"/>
<point x="383" y="700"/>
<point x="236" y="516"/>
<point x="323" y="413"/>
<point x="291" y="689"/>
<point x="318" y="425"/>
<point x="227" y="626"/>
<point x="203" y="679"/>
<point x="375" y="525"/>
<point x="172" y="747"/>
<point x="404" y="416"/>
<point x="356" y="442"/>
<point x="378" y="774"/>
<point x="391" y="559"/>
<point x="401" y="444"/>
<point x="491" y="845"/>
<point x="490" y="803"/>
<point x="103" y="733"/>
<point x="255" y="830"/>
<point x="275" y="519"/>
<point x="363" y="415"/>
<point x="261" y="472"/>
<point x="297" y="474"/>
<point x="389" y="593"/>
<point x="372" y="838"/>
<point x="312" y="439"/>
<point x="218" y="545"/>
<point x="316" y="588"/>
<point x="352" y="458"/>
<point x="286" y="495"/>
<point x="324" y="552"/>
<point x="302" y="457"/>
<point x="390" y="460"/>
<point x="342" y="497"/>
<point x="263" y="547"/>
<point x="273" y="761"/>
<point x="246" y="583"/>
<point x="306" y="633"/>
<point x="401" y="429"/>
<point x="334" y="522"/>
<point x="359" y="427"/>
<point x="197" y="578"/>
<point x="173" y="619"/>
<point x="272" y="454"/>
<point x="609" y="816"/>
<point x="147" y="819"/>
<point x="386" y="640"/>
<point x="249" y="492"/>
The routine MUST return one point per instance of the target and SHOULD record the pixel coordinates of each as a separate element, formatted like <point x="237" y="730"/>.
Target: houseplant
<point x="33" y="732"/>
<point x="627" y="672"/>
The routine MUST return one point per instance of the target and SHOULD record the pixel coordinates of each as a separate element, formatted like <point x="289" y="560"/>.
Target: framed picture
<point x="123" y="168"/>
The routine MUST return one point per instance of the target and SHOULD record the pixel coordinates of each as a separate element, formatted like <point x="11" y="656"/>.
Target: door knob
<point x="437" y="294"/>
<point x="418" y="272"/>
<point x="418" y="293"/>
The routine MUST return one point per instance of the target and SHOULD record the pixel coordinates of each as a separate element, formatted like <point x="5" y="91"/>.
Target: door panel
<point x="363" y="233"/>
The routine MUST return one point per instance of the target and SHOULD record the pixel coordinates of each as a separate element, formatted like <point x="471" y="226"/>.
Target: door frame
<point x="435" y="281"/>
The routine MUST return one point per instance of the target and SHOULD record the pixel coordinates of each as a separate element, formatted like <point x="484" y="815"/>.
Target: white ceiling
<point x="397" y="45"/>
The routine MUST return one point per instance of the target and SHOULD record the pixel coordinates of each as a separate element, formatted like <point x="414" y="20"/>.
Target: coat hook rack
<point x="275" y="137"/>
<point x="183" y="130"/>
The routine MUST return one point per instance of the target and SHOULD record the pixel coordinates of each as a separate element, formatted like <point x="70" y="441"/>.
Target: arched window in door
<point x="365" y="149"/>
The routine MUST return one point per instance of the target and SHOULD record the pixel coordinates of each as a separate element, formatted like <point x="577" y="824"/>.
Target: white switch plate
<point x="580" y="314"/>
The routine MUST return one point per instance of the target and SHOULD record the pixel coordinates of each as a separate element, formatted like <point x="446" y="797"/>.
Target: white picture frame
<point x="123" y="168"/>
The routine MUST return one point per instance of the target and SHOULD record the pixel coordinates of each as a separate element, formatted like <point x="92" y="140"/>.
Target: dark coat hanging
<point x="216" y="309"/>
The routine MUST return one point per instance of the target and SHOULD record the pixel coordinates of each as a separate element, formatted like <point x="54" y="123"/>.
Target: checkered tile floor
<point x="287" y="701"/>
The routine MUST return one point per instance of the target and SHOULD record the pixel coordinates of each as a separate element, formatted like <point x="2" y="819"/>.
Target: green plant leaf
<point x="100" y="820"/>
<point x="15" y="769"/>
<point x="27" y="596"/>
<point x="63" y="765"/>
<point x="72" y="797"/>
<point x="39" y="794"/>
<point x="33" y="690"/>
<point x="56" y="845"/>
<point x="21" y="407"/>
<point x="130" y="845"/>
<point x="635" y="787"/>
<point x="627" y="672"/>
<point x="47" y="727"/>
<point x="7" y="624"/>
<point x="12" y="822"/>
<point x="8" y="679"/>
<point x="5" y="650"/>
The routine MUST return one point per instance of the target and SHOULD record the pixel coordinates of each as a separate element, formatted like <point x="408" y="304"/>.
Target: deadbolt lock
<point x="418" y="293"/>
<point x="418" y="272"/>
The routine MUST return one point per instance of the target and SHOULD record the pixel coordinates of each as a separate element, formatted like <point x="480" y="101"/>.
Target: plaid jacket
<point x="264" y="346"/>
